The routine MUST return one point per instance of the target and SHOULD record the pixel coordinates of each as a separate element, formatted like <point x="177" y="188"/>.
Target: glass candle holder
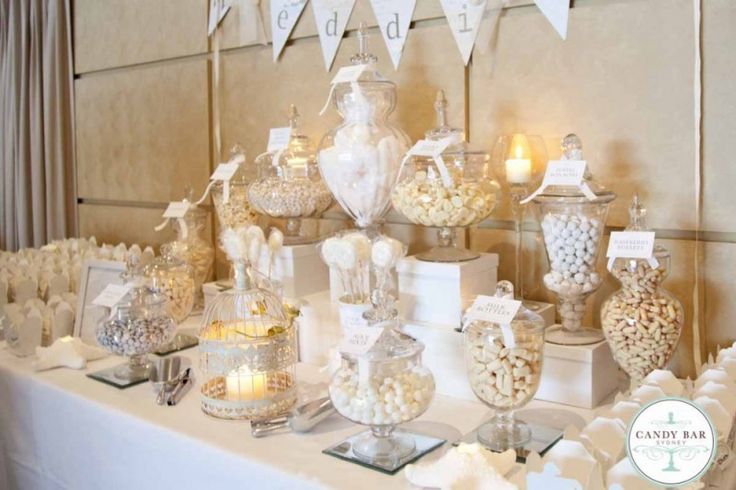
<point x="519" y="161"/>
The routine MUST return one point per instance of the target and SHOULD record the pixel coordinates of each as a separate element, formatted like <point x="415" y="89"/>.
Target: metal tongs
<point x="302" y="419"/>
<point x="182" y="387"/>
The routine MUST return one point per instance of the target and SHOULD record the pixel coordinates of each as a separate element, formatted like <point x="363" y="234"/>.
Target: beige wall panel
<point x="680" y="282"/>
<point x="719" y="111"/>
<point x="623" y="86"/>
<point x="110" y="33"/>
<point x="143" y="134"/>
<point x="113" y="224"/>
<point x="720" y="308"/>
<point x="257" y="92"/>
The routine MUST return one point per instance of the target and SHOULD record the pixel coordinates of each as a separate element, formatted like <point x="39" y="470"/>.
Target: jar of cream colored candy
<point x="462" y="193"/>
<point x="232" y="207"/>
<point x="173" y="278"/>
<point x="642" y="321"/>
<point x="193" y="247"/>
<point x="382" y="388"/>
<point x="504" y="364"/>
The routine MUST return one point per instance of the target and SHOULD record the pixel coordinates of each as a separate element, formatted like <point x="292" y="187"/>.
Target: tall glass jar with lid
<point x="642" y="321"/>
<point x="232" y="205"/>
<point x="360" y="159"/>
<point x="573" y="224"/>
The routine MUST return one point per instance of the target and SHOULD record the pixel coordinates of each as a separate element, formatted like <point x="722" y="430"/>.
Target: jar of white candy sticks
<point x="573" y="219"/>
<point x="642" y="321"/>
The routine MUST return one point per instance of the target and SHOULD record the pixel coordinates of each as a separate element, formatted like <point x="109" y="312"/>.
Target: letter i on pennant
<point x="332" y="18"/>
<point x="284" y="15"/>
<point x="394" y="17"/>
<point x="464" y="17"/>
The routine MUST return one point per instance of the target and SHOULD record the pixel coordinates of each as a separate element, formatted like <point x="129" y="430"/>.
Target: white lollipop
<point x="275" y="240"/>
<point x="386" y="252"/>
<point x="361" y="243"/>
<point x="347" y="255"/>
<point x="330" y="250"/>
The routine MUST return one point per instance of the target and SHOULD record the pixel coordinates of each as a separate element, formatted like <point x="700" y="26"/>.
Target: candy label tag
<point x="278" y="139"/>
<point x="432" y="149"/>
<point x="111" y="295"/>
<point x="176" y="209"/>
<point x="225" y="171"/>
<point x="631" y="245"/>
<point x="494" y="309"/>
<point x="348" y="74"/>
<point x="359" y="340"/>
<point x="564" y="172"/>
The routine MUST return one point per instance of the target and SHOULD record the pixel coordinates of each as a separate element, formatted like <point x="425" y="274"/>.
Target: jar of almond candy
<point x="642" y="321"/>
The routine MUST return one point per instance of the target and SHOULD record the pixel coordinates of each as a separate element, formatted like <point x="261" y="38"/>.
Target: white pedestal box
<point x="578" y="375"/>
<point x="438" y="293"/>
<point x="545" y="310"/>
<point x="299" y="268"/>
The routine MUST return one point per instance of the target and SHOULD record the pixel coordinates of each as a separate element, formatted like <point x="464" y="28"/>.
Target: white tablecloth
<point x="62" y="430"/>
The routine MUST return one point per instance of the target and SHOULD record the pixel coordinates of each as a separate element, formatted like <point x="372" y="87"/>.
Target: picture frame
<point x="94" y="277"/>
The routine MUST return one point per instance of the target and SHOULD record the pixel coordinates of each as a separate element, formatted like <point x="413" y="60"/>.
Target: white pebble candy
<point x="383" y="400"/>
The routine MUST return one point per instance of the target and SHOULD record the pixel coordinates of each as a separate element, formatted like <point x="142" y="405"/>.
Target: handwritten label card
<point x="631" y="245"/>
<point x="278" y="139"/>
<point x="564" y="173"/>
<point x="111" y="295"/>
<point x="359" y="340"/>
<point x="224" y="171"/>
<point x="494" y="309"/>
<point x="176" y="209"/>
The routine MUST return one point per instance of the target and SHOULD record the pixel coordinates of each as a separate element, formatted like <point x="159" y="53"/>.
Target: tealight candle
<point x="518" y="169"/>
<point x="241" y="384"/>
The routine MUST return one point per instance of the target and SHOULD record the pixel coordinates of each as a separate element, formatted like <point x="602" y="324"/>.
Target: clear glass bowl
<point x="381" y="389"/>
<point x="289" y="185"/>
<point x="464" y="197"/>
<point x="135" y="329"/>
<point x="248" y="353"/>
<point x="173" y="278"/>
<point x="642" y="321"/>
<point x="359" y="160"/>
<point x="504" y="369"/>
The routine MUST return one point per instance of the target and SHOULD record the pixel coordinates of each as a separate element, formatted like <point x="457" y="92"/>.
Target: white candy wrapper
<point x="647" y="394"/>
<point x="719" y="392"/>
<point x="62" y="323"/>
<point x="23" y="288"/>
<point x="3" y="291"/>
<point x="666" y="381"/>
<point x="607" y="438"/>
<point x="729" y="365"/>
<point x="550" y="479"/>
<point x="574" y="462"/>
<point x="716" y="375"/>
<point x="623" y="476"/>
<point x="623" y="410"/>
<point x="718" y="415"/>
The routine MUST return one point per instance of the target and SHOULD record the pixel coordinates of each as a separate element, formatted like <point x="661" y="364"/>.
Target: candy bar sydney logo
<point x="671" y="442"/>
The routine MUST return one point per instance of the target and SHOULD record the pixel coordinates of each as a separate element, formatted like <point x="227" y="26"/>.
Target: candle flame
<point x="519" y="152"/>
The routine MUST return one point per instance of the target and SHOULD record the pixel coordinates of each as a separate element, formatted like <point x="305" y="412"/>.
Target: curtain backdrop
<point x="37" y="202"/>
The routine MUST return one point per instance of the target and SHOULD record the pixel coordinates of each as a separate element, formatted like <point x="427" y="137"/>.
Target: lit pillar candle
<point x="242" y="385"/>
<point x="519" y="169"/>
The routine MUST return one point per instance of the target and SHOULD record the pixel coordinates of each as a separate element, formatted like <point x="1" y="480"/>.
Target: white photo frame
<point x="94" y="277"/>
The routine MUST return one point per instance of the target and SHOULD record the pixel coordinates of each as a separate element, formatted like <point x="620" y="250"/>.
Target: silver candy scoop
<point x="163" y="375"/>
<point x="302" y="419"/>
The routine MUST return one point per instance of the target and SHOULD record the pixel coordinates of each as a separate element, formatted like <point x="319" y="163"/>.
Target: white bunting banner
<point x="394" y="17"/>
<point x="251" y="23"/>
<point x="331" y="17"/>
<point x="218" y="11"/>
<point x="557" y="12"/>
<point x="464" y="17"/>
<point x="284" y="15"/>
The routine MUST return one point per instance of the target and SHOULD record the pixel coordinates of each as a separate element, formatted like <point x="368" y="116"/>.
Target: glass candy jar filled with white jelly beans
<point x="504" y="365"/>
<point x="642" y="321"/>
<point x="174" y="278"/>
<point x="382" y="388"/>
<point x="359" y="159"/>
<point x="457" y="190"/>
<point x="572" y="225"/>
<point x="232" y="206"/>
<point x="289" y="185"/>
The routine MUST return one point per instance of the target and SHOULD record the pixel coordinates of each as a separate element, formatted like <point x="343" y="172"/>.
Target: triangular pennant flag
<point x="284" y="15"/>
<point x="394" y="17"/>
<point x="464" y="17"/>
<point x="332" y="18"/>
<point x="556" y="12"/>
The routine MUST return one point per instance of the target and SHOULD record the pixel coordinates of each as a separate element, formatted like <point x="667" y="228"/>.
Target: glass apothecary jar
<point x="136" y="327"/>
<point x="289" y="184"/>
<point x="193" y="247"/>
<point x="359" y="160"/>
<point x="233" y="207"/>
<point x="248" y="353"/>
<point x="642" y="321"/>
<point x="174" y="278"/>
<point x="572" y="226"/>
<point x="462" y="194"/>
<point x="382" y="388"/>
<point x="504" y="365"/>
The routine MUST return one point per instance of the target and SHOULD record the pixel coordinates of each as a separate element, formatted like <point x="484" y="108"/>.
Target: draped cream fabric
<point x="36" y="141"/>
